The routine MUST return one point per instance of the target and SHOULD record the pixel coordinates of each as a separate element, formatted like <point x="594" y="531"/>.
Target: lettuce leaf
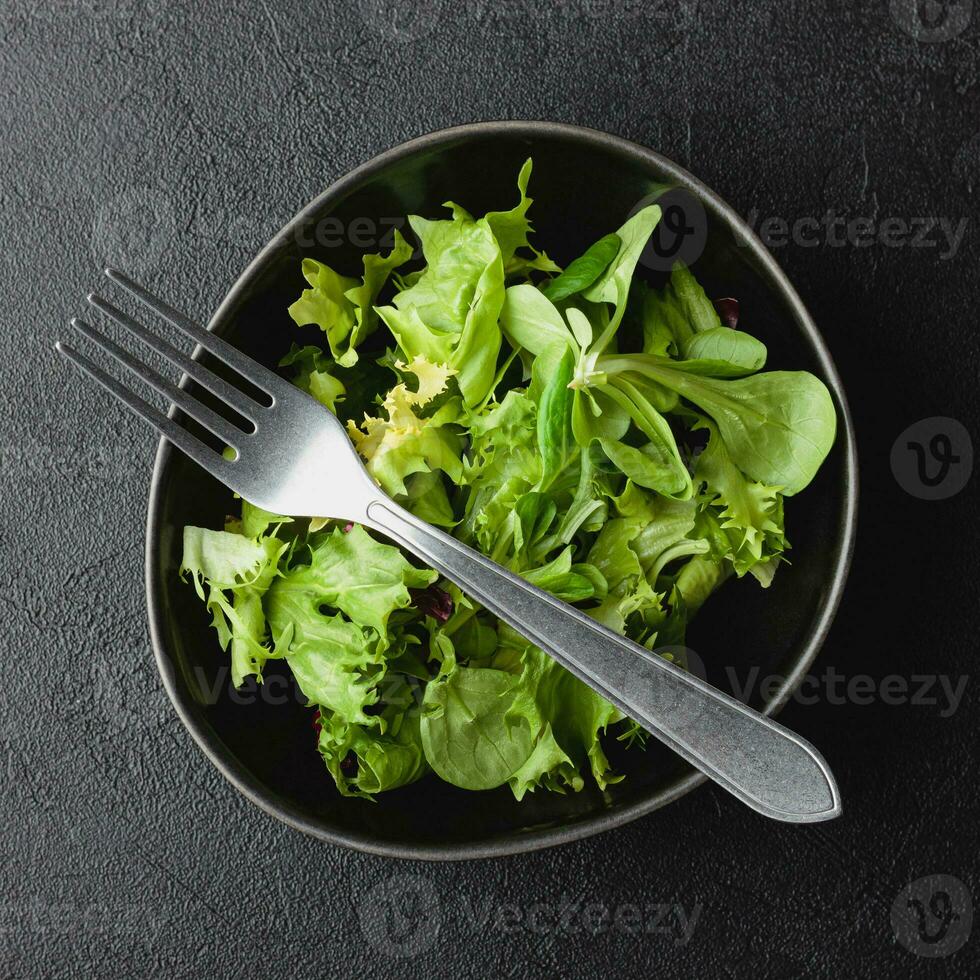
<point x="232" y="573"/>
<point x="354" y="573"/>
<point x="750" y="513"/>
<point x="404" y="442"/>
<point x="615" y="444"/>
<point x="342" y="307"/>
<point x="365" y="761"/>
<point x="450" y="312"/>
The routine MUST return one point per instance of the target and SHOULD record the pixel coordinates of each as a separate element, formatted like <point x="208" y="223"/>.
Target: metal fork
<point x="294" y="458"/>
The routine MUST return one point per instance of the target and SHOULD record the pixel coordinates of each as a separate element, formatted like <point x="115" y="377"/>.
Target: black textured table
<point x="175" y="140"/>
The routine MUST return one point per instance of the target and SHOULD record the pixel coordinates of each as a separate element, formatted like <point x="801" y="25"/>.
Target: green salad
<point x="611" y="440"/>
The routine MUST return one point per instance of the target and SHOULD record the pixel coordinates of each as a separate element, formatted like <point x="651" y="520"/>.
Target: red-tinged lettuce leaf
<point x="365" y="761"/>
<point x="727" y="310"/>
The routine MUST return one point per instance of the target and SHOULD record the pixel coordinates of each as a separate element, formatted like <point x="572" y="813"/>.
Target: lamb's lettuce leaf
<point x="583" y="271"/>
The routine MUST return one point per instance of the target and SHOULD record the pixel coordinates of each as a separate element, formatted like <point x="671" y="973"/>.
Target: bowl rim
<point x="208" y="740"/>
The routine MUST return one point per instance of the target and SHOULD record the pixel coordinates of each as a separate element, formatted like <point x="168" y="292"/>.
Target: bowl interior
<point x="583" y="187"/>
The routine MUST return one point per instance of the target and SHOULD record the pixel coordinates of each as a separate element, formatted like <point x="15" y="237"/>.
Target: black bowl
<point x="584" y="184"/>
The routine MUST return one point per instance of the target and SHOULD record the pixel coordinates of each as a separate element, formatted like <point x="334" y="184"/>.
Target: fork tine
<point x="216" y="465"/>
<point x="221" y="427"/>
<point x="260" y="376"/>
<point x="229" y="394"/>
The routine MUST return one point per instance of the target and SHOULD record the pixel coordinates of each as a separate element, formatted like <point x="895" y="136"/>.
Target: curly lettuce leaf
<point x="355" y="574"/>
<point x="450" y="311"/>
<point x="565" y="710"/>
<point x="511" y="229"/>
<point x="314" y="374"/>
<point x="342" y="307"/>
<point x="377" y="269"/>
<point x="406" y="442"/>
<point x="231" y="573"/>
<point x="750" y="513"/>
<point x="335" y="663"/>
<point x="502" y="465"/>
<point x="365" y="761"/>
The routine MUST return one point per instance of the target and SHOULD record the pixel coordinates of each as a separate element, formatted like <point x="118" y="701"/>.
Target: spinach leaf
<point x="468" y="735"/>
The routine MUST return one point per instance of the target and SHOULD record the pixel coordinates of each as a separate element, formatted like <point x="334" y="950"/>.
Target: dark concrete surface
<point x="175" y="139"/>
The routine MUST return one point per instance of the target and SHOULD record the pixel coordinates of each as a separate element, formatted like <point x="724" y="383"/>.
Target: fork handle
<point x="758" y="761"/>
